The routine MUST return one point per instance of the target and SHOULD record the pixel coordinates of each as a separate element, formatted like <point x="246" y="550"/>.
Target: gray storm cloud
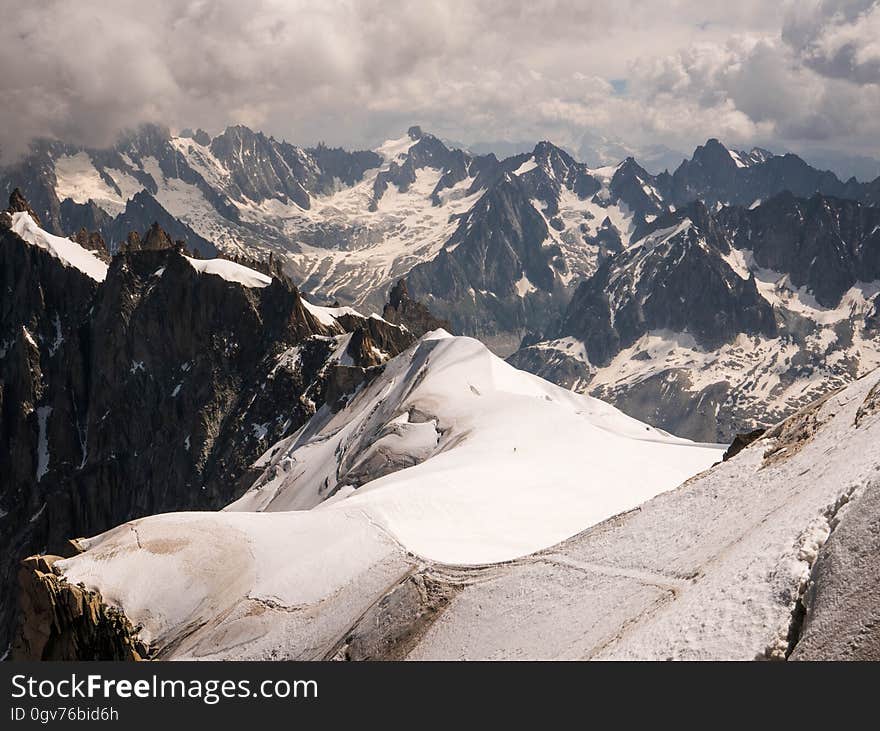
<point x="353" y="73"/>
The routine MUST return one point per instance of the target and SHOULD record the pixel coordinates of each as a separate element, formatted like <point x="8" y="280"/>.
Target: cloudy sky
<point x="599" y="78"/>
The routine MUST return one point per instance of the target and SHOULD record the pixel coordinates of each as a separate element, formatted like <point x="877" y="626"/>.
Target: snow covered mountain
<point x="448" y="453"/>
<point x="714" y="323"/>
<point x="495" y="246"/>
<point x="153" y="383"/>
<point x="751" y="559"/>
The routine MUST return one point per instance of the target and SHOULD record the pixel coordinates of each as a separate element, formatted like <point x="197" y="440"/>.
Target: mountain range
<point x="186" y="326"/>
<point x="525" y="253"/>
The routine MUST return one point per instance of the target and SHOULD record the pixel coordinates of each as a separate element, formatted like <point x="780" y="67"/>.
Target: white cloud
<point x="356" y="72"/>
<point x="838" y="38"/>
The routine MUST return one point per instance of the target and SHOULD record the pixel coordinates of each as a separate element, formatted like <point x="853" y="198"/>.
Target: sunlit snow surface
<point x="230" y="271"/>
<point x="65" y="250"/>
<point x="504" y="464"/>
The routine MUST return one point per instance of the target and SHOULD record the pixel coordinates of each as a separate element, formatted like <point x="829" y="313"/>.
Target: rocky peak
<point x="429" y="151"/>
<point x="756" y="155"/>
<point x="156" y="238"/>
<point x="713" y="157"/>
<point x="214" y="369"/>
<point x="674" y="280"/>
<point x="148" y="139"/>
<point x="825" y="244"/>
<point x="337" y="164"/>
<point x="93" y="241"/>
<point x="19" y="204"/>
<point x="262" y="168"/>
<point x="417" y="318"/>
<point x="199" y="136"/>
<point x="635" y="186"/>
<point x="555" y="169"/>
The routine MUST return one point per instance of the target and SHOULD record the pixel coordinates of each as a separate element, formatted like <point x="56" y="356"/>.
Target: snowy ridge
<point x="488" y="463"/>
<point x="711" y="570"/>
<point x="65" y="250"/>
<point x="461" y="432"/>
<point x="230" y="271"/>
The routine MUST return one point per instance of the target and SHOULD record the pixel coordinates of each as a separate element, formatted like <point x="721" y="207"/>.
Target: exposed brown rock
<point x="401" y="310"/>
<point x="394" y="625"/>
<point x="156" y="239"/>
<point x="18" y="203"/>
<point x="61" y="621"/>
<point x="792" y="434"/>
<point x="870" y="406"/>
<point x="93" y="241"/>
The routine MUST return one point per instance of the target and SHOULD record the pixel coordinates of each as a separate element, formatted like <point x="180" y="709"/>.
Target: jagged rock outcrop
<point x="162" y="377"/>
<point x="263" y="168"/>
<point x="676" y="279"/>
<point x="473" y="280"/>
<point x="554" y="170"/>
<point x="142" y="213"/>
<point x="824" y="244"/>
<point x="93" y="241"/>
<point x="741" y="441"/>
<point x="402" y="310"/>
<point x="62" y="621"/>
<point x="715" y="323"/>
<point x="18" y="204"/>
<point x="715" y="174"/>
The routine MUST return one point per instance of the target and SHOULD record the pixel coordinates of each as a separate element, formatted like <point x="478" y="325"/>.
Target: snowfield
<point x="498" y="463"/>
<point x="484" y="463"/>
<point x="715" y="569"/>
<point x="712" y="570"/>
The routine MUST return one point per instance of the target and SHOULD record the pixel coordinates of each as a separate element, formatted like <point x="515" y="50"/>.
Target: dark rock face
<point x="262" y="168"/>
<point x="34" y="177"/>
<point x="473" y="280"/>
<point x="555" y="169"/>
<point x="634" y="186"/>
<point x="401" y="310"/>
<point x="141" y="213"/>
<point x="93" y="241"/>
<point x="338" y="165"/>
<point x="155" y="239"/>
<point x="676" y="280"/>
<point x="741" y="441"/>
<point x="823" y="244"/>
<point x="152" y="391"/>
<point x="712" y="175"/>
<point x="65" y="622"/>
<point x="18" y="204"/>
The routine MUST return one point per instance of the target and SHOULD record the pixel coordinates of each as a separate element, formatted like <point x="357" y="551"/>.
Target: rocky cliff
<point x="154" y="389"/>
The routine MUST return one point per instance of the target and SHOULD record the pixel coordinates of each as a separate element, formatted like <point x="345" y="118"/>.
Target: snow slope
<point x="502" y="464"/>
<point x="711" y="570"/>
<point x="497" y="463"/>
<point x="67" y="251"/>
<point x="230" y="271"/>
